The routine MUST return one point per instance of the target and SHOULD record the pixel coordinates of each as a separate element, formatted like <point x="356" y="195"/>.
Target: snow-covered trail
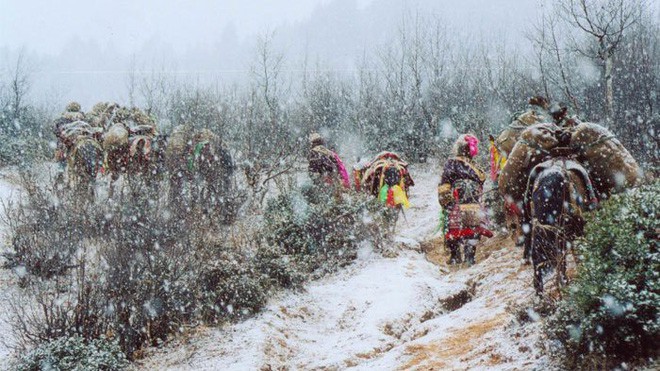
<point x="8" y="281"/>
<point x="406" y="311"/>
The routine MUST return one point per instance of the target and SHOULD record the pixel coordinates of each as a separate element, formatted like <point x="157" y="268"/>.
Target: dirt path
<point x="405" y="311"/>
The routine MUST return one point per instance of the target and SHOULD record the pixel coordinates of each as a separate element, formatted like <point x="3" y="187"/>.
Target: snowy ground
<point x="8" y="281"/>
<point x="406" y="311"/>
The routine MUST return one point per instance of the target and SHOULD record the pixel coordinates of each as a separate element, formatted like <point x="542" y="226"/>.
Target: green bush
<point x="74" y="353"/>
<point x="231" y="287"/>
<point x="320" y="229"/>
<point x="142" y="270"/>
<point x="278" y="266"/>
<point x="610" y="313"/>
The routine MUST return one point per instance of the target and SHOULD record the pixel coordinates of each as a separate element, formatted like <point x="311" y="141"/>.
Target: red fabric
<point x="455" y="234"/>
<point x="512" y="208"/>
<point x="468" y="233"/>
<point x="390" y="198"/>
<point x="485" y="232"/>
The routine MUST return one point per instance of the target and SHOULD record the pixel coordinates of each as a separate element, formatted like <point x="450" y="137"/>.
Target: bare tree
<point x="155" y="90"/>
<point x="19" y="86"/>
<point x="605" y="21"/>
<point x="266" y="72"/>
<point x="547" y="39"/>
<point x="265" y="139"/>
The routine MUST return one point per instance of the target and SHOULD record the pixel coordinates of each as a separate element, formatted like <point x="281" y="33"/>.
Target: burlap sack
<point x="142" y="119"/>
<point x="445" y="195"/>
<point x="69" y="133"/>
<point x="115" y="137"/>
<point x="531" y="149"/>
<point x="471" y="215"/>
<point x="73" y="107"/>
<point x="176" y="151"/>
<point x="73" y="116"/>
<point x="99" y="107"/>
<point x="205" y="135"/>
<point x="611" y="167"/>
<point x="147" y="130"/>
<point x="508" y="138"/>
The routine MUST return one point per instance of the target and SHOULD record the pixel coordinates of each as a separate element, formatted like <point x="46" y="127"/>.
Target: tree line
<point x="413" y="95"/>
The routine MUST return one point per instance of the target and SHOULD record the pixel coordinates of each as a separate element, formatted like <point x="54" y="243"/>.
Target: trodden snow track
<point x="407" y="310"/>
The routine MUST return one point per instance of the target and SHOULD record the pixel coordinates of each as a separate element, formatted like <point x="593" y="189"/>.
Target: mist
<point x="90" y="52"/>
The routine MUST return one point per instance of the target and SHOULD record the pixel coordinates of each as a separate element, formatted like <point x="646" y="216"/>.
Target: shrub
<point x="494" y="204"/>
<point x="74" y="353"/>
<point x="278" y="266"/>
<point x="231" y="286"/>
<point x="47" y="229"/>
<point x="320" y="229"/>
<point x="610" y="312"/>
<point x="140" y="270"/>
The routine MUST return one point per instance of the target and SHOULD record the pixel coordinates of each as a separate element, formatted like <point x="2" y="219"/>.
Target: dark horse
<point x="85" y="161"/>
<point x="558" y="192"/>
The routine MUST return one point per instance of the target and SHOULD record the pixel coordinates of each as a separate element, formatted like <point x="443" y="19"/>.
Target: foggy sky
<point x="83" y="50"/>
<point x="47" y="26"/>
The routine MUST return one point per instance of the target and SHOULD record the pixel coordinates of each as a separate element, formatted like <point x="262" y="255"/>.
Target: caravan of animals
<point x="550" y="169"/>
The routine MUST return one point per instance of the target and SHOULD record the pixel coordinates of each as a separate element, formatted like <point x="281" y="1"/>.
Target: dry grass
<point x="457" y="345"/>
<point x="437" y="254"/>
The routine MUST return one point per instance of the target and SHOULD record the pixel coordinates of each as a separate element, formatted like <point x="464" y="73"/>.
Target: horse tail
<point x="549" y="196"/>
<point x="546" y="242"/>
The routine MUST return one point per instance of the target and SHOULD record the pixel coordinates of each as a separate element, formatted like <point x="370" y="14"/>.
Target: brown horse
<point x="200" y="169"/>
<point x="136" y="154"/>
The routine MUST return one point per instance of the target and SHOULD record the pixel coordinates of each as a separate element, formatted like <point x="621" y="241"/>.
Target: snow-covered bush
<point x="24" y="131"/>
<point x="75" y="354"/>
<point x="231" y="286"/>
<point x="277" y="265"/>
<point x="610" y="313"/>
<point x="137" y="269"/>
<point x="495" y="205"/>
<point x="320" y="229"/>
<point x="22" y="150"/>
<point x="46" y="229"/>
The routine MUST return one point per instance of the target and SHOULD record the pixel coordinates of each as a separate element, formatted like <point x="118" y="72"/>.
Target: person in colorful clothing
<point x="324" y="166"/>
<point x="460" y="189"/>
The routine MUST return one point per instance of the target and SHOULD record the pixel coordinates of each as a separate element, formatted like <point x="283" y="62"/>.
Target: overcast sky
<point x="47" y="25"/>
<point x="82" y="49"/>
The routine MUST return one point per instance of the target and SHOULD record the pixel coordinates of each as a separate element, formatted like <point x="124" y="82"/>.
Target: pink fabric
<point x="473" y="144"/>
<point x="345" y="181"/>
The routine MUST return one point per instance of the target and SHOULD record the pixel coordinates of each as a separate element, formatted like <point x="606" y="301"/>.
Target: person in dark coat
<point x="462" y="186"/>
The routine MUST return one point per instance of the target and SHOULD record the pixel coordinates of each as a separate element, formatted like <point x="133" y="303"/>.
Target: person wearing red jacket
<point x="462" y="184"/>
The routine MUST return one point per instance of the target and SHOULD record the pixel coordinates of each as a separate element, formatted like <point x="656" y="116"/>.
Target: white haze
<point x="86" y="51"/>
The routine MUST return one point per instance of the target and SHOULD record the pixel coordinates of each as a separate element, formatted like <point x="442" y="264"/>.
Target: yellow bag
<point x="445" y="194"/>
